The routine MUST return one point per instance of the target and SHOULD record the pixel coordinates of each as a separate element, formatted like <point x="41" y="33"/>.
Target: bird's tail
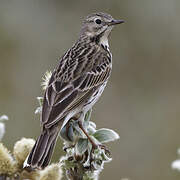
<point x="41" y="153"/>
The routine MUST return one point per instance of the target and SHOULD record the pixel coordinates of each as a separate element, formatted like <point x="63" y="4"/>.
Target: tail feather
<point x="41" y="153"/>
<point x="48" y="150"/>
<point x="40" y="145"/>
<point x="48" y="158"/>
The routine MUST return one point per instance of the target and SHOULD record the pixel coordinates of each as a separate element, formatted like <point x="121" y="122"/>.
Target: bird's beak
<point x="114" y="22"/>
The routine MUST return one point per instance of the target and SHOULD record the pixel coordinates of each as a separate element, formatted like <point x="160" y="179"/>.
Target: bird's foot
<point x="107" y="151"/>
<point x="68" y="147"/>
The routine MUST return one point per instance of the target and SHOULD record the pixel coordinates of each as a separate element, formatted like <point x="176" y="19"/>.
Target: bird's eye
<point x="98" y="21"/>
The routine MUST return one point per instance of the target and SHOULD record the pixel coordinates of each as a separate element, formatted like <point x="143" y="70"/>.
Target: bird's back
<point x="84" y="56"/>
<point x="85" y="66"/>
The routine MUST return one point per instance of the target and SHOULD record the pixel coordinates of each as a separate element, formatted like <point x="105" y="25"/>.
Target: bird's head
<point x="98" y="25"/>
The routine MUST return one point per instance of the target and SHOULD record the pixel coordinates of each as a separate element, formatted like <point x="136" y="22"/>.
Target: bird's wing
<point x="63" y="96"/>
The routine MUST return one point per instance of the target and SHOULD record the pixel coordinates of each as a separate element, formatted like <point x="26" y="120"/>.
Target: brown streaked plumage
<point x="75" y="85"/>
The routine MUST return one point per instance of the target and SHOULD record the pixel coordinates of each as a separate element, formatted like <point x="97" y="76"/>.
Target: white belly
<point x="94" y="98"/>
<point x="87" y="106"/>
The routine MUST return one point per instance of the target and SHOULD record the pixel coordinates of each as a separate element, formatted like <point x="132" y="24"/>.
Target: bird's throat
<point x="104" y="41"/>
<point x="101" y="39"/>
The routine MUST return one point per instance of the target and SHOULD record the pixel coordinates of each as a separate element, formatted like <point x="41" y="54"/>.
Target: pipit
<point x="75" y="85"/>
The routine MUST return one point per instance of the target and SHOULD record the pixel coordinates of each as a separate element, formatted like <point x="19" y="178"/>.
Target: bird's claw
<point x="68" y="147"/>
<point x="102" y="146"/>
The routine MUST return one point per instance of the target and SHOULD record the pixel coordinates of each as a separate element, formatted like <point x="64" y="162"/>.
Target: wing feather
<point x="96" y="78"/>
<point x="66" y="93"/>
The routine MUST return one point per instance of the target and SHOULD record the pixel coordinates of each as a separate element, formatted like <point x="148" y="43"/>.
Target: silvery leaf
<point x="3" y="118"/>
<point x="2" y="130"/>
<point x="67" y="133"/>
<point x="105" y="135"/>
<point x="86" y="124"/>
<point x="88" y="115"/>
<point x="98" y="164"/>
<point x="105" y="157"/>
<point x="91" y="130"/>
<point x="81" y="146"/>
<point x="78" y="130"/>
<point x="94" y="140"/>
<point x="92" y="124"/>
<point x="46" y="79"/>
<point x="38" y="110"/>
<point x="176" y="165"/>
<point x="40" y="100"/>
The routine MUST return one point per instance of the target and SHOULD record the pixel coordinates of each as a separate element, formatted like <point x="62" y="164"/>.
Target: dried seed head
<point x="52" y="171"/>
<point x="21" y="150"/>
<point x="7" y="163"/>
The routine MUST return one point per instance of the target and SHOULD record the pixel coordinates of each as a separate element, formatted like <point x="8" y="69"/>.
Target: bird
<point x="75" y="85"/>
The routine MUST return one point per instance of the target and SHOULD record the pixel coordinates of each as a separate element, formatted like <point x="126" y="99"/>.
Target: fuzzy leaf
<point x="78" y="130"/>
<point x="91" y="130"/>
<point x="88" y="115"/>
<point x="3" y="118"/>
<point x="176" y="165"/>
<point x="51" y="172"/>
<point x="104" y="157"/>
<point x="81" y="146"/>
<point x="105" y="135"/>
<point x="2" y="130"/>
<point x="92" y="124"/>
<point x="40" y="100"/>
<point x="38" y="110"/>
<point x="7" y="163"/>
<point x="45" y="79"/>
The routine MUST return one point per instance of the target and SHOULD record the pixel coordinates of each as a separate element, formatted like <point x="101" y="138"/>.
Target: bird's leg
<point x="94" y="145"/>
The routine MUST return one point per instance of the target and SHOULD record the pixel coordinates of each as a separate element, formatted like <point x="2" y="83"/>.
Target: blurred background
<point x="142" y="99"/>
